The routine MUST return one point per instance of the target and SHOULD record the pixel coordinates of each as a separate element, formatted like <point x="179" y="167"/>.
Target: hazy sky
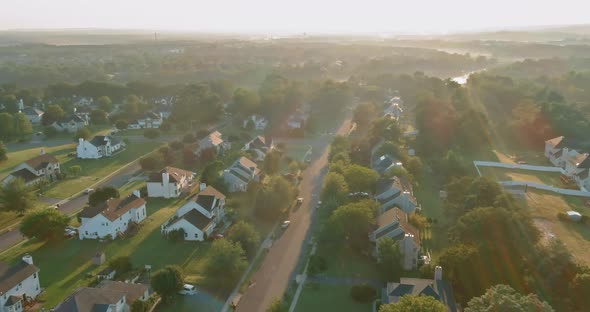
<point x="334" y="16"/>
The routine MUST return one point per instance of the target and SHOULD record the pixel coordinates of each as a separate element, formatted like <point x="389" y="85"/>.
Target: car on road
<point x="188" y="290"/>
<point x="299" y="200"/>
<point x="88" y="191"/>
<point x="285" y="224"/>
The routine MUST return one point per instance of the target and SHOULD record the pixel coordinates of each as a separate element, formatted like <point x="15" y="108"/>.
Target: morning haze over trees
<point x="298" y="173"/>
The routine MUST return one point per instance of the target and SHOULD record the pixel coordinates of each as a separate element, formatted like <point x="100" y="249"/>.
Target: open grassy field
<point x="95" y="169"/>
<point x="531" y="157"/>
<point x="65" y="266"/>
<point x="345" y="262"/>
<point x="317" y="297"/>
<point x="297" y="151"/>
<point x="505" y="174"/>
<point x="544" y="207"/>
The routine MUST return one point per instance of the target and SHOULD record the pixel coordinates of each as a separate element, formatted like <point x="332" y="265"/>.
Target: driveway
<point x="273" y="276"/>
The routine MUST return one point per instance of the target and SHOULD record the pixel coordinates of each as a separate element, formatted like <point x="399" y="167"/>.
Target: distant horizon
<point x="294" y="17"/>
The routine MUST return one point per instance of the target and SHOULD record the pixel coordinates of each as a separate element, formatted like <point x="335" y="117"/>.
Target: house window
<point x="86" y="232"/>
<point x="185" y="234"/>
<point x="34" y="275"/>
<point x="196" y="235"/>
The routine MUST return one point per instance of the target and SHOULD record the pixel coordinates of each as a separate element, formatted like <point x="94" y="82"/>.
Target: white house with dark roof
<point x="19" y="284"/>
<point x="259" y="146"/>
<point x="109" y="296"/>
<point x="71" y="123"/>
<point x="112" y="217"/>
<point x="394" y="224"/>
<point x="238" y="176"/>
<point x="437" y="288"/>
<point x="395" y="192"/>
<point x="169" y="182"/>
<point x="575" y="164"/>
<point x="98" y="147"/>
<point x="33" y="114"/>
<point x="42" y="167"/>
<point x="199" y="216"/>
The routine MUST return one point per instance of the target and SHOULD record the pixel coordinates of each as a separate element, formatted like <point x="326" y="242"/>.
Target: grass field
<point x="15" y="158"/>
<point x="345" y="262"/>
<point x="297" y="151"/>
<point x="544" y="207"/>
<point x="65" y="266"/>
<point x="95" y="169"/>
<point x="317" y="297"/>
<point x="504" y="174"/>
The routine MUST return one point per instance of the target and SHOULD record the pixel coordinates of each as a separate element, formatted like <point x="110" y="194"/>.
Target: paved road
<point x="72" y="205"/>
<point x="273" y="277"/>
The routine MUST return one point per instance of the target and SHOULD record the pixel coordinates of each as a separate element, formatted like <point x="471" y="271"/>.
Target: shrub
<point x="188" y="138"/>
<point x="176" y="145"/>
<point x="317" y="264"/>
<point x="363" y="293"/>
<point x="176" y="235"/>
<point x="50" y="131"/>
<point x="562" y="216"/>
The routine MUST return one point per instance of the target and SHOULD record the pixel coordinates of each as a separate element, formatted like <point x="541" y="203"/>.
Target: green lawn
<point x="505" y="174"/>
<point x="8" y="218"/>
<point x="64" y="267"/>
<point x="131" y="186"/>
<point x="297" y="151"/>
<point x="95" y="169"/>
<point x="345" y="262"/>
<point x="321" y="297"/>
<point x="15" y="158"/>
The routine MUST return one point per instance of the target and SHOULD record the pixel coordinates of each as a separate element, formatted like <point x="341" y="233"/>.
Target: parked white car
<point x="285" y="224"/>
<point x="188" y="290"/>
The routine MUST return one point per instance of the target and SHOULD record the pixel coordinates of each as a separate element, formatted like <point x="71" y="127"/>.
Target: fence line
<point x="517" y="166"/>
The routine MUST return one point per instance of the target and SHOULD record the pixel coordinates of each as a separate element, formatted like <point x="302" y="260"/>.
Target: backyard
<point x="315" y="296"/>
<point x="505" y="174"/>
<point x="544" y="207"/>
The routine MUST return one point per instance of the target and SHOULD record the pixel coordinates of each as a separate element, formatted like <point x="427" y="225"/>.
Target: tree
<point x="339" y="144"/>
<point x="151" y="133"/>
<point x="151" y="162"/>
<point x="140" y="306"/>
<point x="16" y="196"/>
<point x="83" y="133"/>
<point x="411" y="303"/>
<point x="335" y="187"/>
<point x="102" y="194"/>
<point x="176" y="145"/>
<point x="45" y="224"/>
<point x="390" y="258"/>
<point x="245" y="102"/>
<point x="196" y="102"/>
<point x="121" y="264"/>
<point x="274" y="198"/>
<point x="105" y="103"/>
<point x="49" y="131"/>
<point x="363" y="114"/>
<point x="22" y="125"/>
<point x="245" y="234"/>
<point x="121" y="124"/>
<point x="351" y="223"/>
<point x="272" y="162"/>
<point x="414" y="166"/>
<point x="75" y="170"/>
<point x="225" y="262"/>
<point x="504" y="298"/>
<point x="167" y="282"/>
<point x="98" y="117"/>
<point x="52" y="114"/>
<point x="10" y="103"/>
<point x="3" y="152"/>
<point x="210" y="174"/>
<point x="361" y="179"/>
<point x="7" y="129"/>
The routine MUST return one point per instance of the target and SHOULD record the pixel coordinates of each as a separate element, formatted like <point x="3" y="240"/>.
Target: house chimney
<point x="202" y="187"/>
<point x="137" y="193"/>
<point x="438" y="273"/>
<point x="28" y="259"/>
<point x="165" y="178"/>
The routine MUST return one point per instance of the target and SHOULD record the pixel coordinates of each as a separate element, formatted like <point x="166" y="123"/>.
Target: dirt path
<point x="272" y="279"/>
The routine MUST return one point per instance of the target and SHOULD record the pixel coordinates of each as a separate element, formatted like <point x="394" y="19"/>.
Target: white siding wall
<point x="191" y="233"/>
<point x="85" y="150"/>
<point x="99" y="226"/>
<point x="30" y="286"/>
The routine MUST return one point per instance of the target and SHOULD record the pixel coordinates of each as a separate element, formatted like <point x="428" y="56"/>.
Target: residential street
<point x="273" y="277"/>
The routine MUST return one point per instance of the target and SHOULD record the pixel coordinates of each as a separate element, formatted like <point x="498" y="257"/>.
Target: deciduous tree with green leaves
<point x="410" y="303"/>
<point x="225" y="262"/>
<point x="45" y="225"/>
<point x="504" y="298"/>
<point x="16" y="196"/>
<point x="167" y="282"/>
<point x="246" y="235"/>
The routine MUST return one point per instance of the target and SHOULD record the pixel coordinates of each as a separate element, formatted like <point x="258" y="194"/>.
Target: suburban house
<point x="241" y="172"/>
<point x="393" y="111"/>
<point x="109" y="296"/>
<point x="395" y="192"/>
<point x="384" y="162"/>
<point x="213" y="140"/>
<point x="82" y="101"/>
<point x="576" y="165"/>
<point x="71" y="123"/>
<point x="436" y="288"/>
<point x="169" y="182"/>
<point x="260" y="146"/>
<point x="98" y="147"/>
<point x="19" y="285"/>
<point x="199" y="216"/>
<point x="149" y="120"/>
<point x="112" y="217"/>
<point x="34" y="115"/>
<point x="394" y="224"/>
<point x="296" y="121"/>
<point x="42" y="167"/>
<point x="259" y="123"/>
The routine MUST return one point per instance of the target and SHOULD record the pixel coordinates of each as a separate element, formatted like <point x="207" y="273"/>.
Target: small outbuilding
<point x="574" y="215"/>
